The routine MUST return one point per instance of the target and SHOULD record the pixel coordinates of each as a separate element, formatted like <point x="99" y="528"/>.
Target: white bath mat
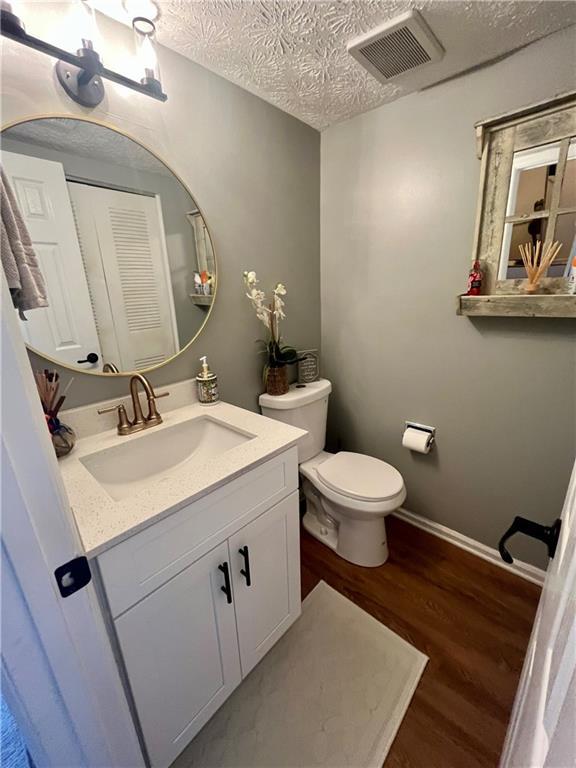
<point x="332" y="692"/>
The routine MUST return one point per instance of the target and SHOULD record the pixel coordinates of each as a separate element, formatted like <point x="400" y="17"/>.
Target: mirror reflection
<point x="120" y="249"/>
<point x="541" y="207"/>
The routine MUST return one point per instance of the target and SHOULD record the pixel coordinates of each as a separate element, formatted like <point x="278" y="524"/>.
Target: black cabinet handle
<point x="91" y="358"/>
<point x="549" y="534"/>
<point x="246" y="570"/>
<point x="227" y="589"/>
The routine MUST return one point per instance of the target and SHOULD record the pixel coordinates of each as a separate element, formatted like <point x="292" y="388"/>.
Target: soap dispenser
<point x="207" y="383"/>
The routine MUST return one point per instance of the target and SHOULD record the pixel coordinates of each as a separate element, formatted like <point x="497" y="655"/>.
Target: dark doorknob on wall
<point x="549" y="534"/>
<point x="91" y="358"/>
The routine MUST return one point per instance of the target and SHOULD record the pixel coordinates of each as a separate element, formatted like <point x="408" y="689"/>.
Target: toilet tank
<point x="304" y="406"/>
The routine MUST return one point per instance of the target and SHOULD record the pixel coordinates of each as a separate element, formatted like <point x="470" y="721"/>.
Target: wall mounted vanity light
<point x="81" y="74"/>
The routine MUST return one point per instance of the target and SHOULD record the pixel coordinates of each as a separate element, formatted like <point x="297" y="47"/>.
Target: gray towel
<point x="19" y="260"/>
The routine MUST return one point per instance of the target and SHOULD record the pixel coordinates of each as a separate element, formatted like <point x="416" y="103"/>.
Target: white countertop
<point x="102" y="522"/>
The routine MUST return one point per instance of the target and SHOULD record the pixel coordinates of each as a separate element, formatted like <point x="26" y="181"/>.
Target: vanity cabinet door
<point x="266" y="577"/>
<point x="181" y="654"/>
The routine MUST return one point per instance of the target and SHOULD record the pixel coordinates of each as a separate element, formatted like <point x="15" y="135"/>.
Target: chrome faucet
<point x="139" y="422"/>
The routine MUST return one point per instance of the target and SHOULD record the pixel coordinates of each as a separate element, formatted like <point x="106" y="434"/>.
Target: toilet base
<point x="362" y="542"/>
<point x="328" y="536"/>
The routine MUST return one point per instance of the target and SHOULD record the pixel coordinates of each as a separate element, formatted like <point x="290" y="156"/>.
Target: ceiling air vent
<point x="397" y="47"/>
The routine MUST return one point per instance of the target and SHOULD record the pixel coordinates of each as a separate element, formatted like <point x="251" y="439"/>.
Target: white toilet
<point x="348" y="495"/>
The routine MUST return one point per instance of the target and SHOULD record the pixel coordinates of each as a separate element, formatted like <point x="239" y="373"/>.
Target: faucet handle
<point x="123" y="423"/>
<point x="110" y="409"/>
<point x="160" y="394"/>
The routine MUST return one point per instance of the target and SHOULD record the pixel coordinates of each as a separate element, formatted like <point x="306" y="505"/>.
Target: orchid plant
<point x="270" y="312"/>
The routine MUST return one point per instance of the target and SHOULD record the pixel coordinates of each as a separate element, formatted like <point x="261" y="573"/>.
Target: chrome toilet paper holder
<point x="423" y="428"/>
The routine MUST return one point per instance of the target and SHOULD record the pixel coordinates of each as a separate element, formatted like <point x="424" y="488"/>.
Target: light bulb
<point x="77" y="31"/>
<point x="145" y="30"/>
<point x="85" y="20"/>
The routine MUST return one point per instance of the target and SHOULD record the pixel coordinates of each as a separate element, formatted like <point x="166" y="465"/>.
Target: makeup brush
<point x="61" y="399"/>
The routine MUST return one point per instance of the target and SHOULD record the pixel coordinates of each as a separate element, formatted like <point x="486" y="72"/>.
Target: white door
<point x="181" y="655"/>
<point x="65" y="330"/>
<point x="59" y="675"/>
<point x="542" y="731"/>
<point x="266" y="576"/>
<point x="127" y="266"/>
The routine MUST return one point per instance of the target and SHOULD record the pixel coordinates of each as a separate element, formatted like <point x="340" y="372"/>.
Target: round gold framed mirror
<point x="112" y="267"/>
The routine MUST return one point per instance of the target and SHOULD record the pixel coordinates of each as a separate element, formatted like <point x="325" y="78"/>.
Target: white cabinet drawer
<point x="142" y="563"/>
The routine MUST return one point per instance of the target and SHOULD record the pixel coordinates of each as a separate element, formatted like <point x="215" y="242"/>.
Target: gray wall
<point x="399" y="189"/>
<point x="253" y="170"/>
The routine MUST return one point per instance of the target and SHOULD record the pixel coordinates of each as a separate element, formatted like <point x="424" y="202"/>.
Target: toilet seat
<point x="361" y="477"/>
<point x="359" y="508"/>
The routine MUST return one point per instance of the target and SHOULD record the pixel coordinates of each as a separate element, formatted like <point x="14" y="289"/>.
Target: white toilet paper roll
<point x="417" y="440"/>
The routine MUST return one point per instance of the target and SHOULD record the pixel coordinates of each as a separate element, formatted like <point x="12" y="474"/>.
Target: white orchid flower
<point x="256" y="296"/>
<point x="263" y="314"/>
<point x="250" y="278"/>
<point x="279" y="307"/>
<point x="269" y="313"/>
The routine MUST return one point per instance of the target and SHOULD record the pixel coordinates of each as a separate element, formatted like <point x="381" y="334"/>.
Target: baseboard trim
<point x="525" y="570"/>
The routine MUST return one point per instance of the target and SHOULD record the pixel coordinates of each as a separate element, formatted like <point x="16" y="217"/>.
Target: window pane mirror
<point x="122" y="247"/>
<point x="541" y="206"/>
<point x="524" y="238"/>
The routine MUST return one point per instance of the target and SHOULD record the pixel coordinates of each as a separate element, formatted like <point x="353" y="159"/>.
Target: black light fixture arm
<point x="76" y="72"/>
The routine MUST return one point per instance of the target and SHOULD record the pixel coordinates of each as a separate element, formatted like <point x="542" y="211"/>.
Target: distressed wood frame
<point x="497" y="141"/>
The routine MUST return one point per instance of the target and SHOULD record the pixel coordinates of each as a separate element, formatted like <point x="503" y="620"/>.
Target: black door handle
<point x="549" y="534"/>
<point x="246" y="570"/>
<point x="91" y="357"/>
<point x="227" y="589"/>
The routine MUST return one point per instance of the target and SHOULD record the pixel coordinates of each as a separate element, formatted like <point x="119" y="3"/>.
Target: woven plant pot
<point x="63" y="440"/>
<point x="277" y="380"/>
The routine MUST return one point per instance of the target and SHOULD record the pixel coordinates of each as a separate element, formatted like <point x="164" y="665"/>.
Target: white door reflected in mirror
<point x="66" y="329"/>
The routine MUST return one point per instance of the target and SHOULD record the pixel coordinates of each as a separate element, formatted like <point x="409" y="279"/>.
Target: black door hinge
<point x="73" y="575"/>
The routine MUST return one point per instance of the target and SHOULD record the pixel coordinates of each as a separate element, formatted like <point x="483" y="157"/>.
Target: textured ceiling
<point x="293" y="52"/>
<point x="87" y="140"/>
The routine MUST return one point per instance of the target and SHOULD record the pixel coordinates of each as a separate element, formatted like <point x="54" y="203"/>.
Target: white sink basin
<point x="159" y="454"/>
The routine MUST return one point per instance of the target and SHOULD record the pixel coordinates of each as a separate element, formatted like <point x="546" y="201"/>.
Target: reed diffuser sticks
<point x="48" y="385"/>
<point x="536" y="262"/>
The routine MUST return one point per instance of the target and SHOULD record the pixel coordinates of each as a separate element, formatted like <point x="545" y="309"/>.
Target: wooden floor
<point x="471" y="618"/>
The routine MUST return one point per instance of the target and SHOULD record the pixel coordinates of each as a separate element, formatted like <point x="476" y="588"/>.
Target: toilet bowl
<point x="348" y="495"/>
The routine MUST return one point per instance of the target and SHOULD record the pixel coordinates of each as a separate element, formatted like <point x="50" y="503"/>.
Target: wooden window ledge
<point x="518" y="305"/>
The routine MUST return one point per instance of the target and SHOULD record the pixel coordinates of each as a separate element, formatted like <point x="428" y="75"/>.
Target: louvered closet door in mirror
<point x="130" y="272"/>
<point x="129" y="244"/>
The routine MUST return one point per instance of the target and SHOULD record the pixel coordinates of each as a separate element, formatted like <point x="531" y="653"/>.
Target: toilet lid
<point x="361" y="477"/>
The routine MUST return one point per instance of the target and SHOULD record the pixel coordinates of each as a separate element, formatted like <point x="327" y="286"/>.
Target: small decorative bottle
<point x="572" y="277"/>
<point x="475" y="280"/>
<point x="207" y="383"/>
